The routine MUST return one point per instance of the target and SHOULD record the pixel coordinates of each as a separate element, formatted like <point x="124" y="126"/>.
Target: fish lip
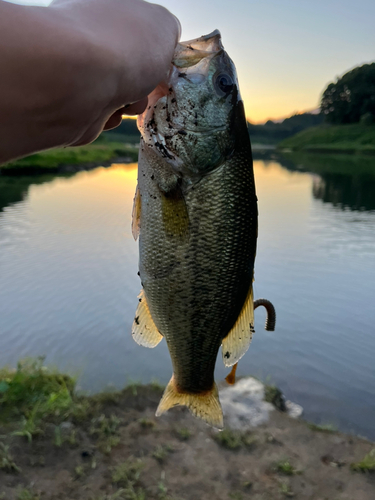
<point x="191" y="52"/>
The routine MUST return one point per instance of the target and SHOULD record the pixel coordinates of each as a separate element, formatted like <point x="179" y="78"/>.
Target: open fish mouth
<point x="191" y="60"/>
<point x="190" y="53"/>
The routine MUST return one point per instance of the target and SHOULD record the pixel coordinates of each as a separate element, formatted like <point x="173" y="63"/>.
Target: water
<point x="69" y="284"/>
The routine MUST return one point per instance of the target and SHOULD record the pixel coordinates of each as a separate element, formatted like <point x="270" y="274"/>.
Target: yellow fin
<point x="175" y="214"/>
<point x="136" y="215"/>
<point x="144" y="330"/>
<point x="237" y="342"/>
<point x="205" y="405"/>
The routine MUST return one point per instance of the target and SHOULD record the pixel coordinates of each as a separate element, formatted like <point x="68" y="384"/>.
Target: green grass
<point x="6" y="460"/>
<point x="322" y="427"/>
<point x="183" y="433"/>
<point x="127" y="475"/>
<point x="285" y="467"/>
<point x="27" y="494"/>
<point x="355" y="138"/>
<point x="162" y="452"/>
<point x="147" y="423"/>
<point x="367" y="464"/>
<point x="234" y="440"/>
<point x="53" y="159"/>
<point x="32" y="395"/>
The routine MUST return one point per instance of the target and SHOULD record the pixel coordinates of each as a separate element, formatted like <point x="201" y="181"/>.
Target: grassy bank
<point x="349" y="139"/>
<point x="58" y="445"/>
<point x="57" y="160"/>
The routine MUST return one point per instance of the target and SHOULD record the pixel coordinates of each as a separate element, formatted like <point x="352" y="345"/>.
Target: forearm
<point x="39" y="84"/>
<point x="66" y="69"/>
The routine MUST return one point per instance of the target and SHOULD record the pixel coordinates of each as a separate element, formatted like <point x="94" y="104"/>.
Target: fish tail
<point x="205" y="405"/>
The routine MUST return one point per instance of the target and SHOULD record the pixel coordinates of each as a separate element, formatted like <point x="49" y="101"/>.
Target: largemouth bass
<point x="195" y="211"/>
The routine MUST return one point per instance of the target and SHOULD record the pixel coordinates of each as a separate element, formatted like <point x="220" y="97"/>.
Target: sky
<point x="285" y="51"/>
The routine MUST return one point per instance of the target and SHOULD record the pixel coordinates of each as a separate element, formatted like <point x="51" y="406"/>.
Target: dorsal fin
<point x="237" y="342"/>
<point x="144" y="330"/>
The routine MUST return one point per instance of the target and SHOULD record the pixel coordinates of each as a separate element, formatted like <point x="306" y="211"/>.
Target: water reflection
<point x="345" y="181"/>
<point x="69" y="284"/>
<point x="355" y="192"/>
<point x="14" y="189"/>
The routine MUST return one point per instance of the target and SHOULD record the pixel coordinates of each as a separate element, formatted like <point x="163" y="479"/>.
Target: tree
<point x="351" y="97"/>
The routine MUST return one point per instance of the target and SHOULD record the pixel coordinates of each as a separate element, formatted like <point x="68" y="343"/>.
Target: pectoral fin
<point x="144" y="330"/>
<point x="237" y="342"/>
<point x="136" y="215"/>
<point x="175" y="214"/>
<point x="205" y="405"/>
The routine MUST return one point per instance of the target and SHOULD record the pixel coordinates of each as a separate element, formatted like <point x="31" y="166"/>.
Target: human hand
<point x="132" y="44"/>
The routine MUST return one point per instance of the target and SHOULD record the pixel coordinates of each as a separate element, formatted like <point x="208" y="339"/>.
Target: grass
<point x="162" y="452"/>
<point x="147" y="423"/>
<point x="355" y="138"/>
<point x="7" y="463"/>
<point x="367" y="464"/>
<point x="27" y="494"/>
<point x="183" y="433"/>
<point x="52" y="160"/>
<point x="286" y="490"/>
<point x="322" y="427"/>
<point x="127" y="475"/>
<point x="234" y="440"/>
<point x="32" y="395"/>
<point x="285" y="467"/>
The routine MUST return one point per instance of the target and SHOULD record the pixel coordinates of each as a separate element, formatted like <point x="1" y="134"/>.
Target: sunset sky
<point x="285" y="51"/>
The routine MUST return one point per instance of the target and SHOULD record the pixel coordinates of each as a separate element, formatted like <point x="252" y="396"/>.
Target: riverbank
<point x="55" y="444"/>
<point x="67" y="160"/>
<point x="348" y="139"/>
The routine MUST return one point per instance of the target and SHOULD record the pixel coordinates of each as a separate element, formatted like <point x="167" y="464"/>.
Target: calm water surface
<point x="69" y="284"/>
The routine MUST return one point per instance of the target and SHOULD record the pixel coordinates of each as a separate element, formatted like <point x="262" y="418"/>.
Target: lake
<point x="69" y="284"/>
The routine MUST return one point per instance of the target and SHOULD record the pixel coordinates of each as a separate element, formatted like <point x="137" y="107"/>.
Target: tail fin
<point x="205" y="406"/>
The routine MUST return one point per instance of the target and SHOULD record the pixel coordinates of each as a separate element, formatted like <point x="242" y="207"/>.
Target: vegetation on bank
<point x="352" y="139"/>
<point x="273" y="132"/>
<point x="55" y="443"/>
<point x="53" y="160"/>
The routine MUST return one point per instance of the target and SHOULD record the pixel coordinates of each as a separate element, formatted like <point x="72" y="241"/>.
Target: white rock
<point x="243" y="404"/>
<point x="293" y="409"/>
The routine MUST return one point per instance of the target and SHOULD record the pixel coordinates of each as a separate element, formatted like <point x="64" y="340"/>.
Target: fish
<point x="195" y="214"/>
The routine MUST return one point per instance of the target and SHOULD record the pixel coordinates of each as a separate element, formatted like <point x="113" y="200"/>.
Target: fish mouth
<point x="191" y="60"/>
<point x="190" y="53"/>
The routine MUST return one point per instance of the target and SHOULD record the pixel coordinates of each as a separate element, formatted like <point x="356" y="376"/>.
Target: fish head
<point x="189" y="120"/>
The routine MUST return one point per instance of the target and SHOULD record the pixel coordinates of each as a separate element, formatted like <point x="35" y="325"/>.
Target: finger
<point x="115" y="120"/>
<point x="136" y="108"/>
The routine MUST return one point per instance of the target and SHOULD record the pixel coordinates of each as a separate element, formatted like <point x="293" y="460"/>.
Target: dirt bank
<point x="119" y="450"/>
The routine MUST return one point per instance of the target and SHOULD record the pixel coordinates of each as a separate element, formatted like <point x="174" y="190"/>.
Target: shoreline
<point x="111" y="446"/>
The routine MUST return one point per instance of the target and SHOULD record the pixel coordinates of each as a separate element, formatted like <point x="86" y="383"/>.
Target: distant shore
<point x="353" y="139"/>
<point x="57" y="444"/>
<point x="69" y="160"/>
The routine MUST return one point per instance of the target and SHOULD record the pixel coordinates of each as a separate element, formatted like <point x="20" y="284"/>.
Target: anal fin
<point x="237" y="342"/>
<point x="144" y="330"/>
<point x="205" y="405"/>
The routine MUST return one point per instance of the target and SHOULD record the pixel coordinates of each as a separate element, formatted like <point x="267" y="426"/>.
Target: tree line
<point x="351" y="99"/>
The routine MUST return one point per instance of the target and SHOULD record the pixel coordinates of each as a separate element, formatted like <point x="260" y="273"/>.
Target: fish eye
<point x="223" y="84"/>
